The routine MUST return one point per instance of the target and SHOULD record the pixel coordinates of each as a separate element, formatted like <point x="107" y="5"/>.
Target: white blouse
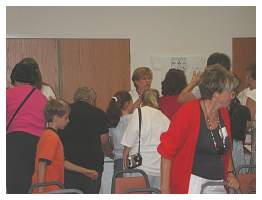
<point x="154" y="123"/>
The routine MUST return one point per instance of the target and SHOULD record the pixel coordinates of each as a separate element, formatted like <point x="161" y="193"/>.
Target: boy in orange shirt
<point x="49" y="162"/>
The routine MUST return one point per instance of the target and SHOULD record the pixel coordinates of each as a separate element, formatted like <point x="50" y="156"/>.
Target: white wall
<point x="153" y="31"/>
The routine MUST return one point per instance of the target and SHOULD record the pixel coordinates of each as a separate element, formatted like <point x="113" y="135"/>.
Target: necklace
<point x="211" y="132"/>
<point x="209" y="125"/>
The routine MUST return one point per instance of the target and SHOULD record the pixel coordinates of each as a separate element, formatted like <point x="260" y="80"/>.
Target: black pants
<point x="20" y="161"/>
<point x="75" y="180"/>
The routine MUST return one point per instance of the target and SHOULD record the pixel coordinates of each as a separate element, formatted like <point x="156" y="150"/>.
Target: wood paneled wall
<point x="244" y="53"/>
<point x="44" y="51"/>
<point x="66" y="64"/>
<point x="100" y="64"/>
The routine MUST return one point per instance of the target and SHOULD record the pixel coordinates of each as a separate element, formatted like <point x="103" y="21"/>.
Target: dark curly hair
<point x="32" y="62"/>
<point x="174" y="82"/>
<point x="219" y="58"/>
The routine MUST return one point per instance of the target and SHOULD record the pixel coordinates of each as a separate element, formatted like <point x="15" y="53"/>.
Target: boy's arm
<point x="76" y="168"/>
<point x="41" y="174"/>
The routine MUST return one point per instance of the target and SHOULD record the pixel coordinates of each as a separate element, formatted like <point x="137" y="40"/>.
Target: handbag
<point x="19" y="107"/>
<point x="135" y="160"/>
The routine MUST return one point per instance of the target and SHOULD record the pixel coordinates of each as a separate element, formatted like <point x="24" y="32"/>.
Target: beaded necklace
<point x="210" y="127"/>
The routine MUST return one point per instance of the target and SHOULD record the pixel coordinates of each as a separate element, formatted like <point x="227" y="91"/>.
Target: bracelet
<point x="230" y="172"/>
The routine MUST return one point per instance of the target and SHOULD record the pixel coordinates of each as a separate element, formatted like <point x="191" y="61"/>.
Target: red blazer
<point x="178" y="144"/>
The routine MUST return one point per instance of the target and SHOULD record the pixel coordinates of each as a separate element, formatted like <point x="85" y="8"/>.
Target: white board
<point x="161" y="65"/>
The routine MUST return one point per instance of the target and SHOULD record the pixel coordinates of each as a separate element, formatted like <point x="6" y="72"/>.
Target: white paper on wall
<point x="161" y="65"/>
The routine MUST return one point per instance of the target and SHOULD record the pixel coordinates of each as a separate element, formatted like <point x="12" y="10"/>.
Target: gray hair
<point x="151" y="98"/>
<point x="85" y="94"/>
<point x="216" y="79"/>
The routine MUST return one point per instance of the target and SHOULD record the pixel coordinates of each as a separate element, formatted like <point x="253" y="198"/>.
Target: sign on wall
<point x="161" y="65"/>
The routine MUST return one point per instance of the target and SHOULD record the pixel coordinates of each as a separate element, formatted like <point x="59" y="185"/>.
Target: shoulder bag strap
<point x="20" y="106"/>
<point x="140" y="122"/>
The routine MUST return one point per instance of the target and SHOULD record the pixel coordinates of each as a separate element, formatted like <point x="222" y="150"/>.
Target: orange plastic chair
<point x="247" y="181"/>
<point x="123" y="184"/>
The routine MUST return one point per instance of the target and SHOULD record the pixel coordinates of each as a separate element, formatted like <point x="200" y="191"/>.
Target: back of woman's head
<point x="85" y="94"/>
<point x="174" y="82"/>
<point x="115" y="107"/>
<point x="24" y="73"/>
<point x="151" y="98"/>
<point x="32" y="61"/>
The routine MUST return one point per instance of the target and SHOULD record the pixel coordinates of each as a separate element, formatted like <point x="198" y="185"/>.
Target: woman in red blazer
<point x="197" y="146"/>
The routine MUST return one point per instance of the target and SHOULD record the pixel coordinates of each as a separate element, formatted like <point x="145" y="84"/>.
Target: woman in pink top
<point x="173" y="84"/>
<point x="25" y="129"/>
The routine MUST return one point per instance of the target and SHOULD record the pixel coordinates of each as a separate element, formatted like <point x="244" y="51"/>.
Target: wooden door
<point x="103" y="64"/>
<point x="66" y="64"/>
<point x="44" y="51"/>
<point x="244" y="53"/>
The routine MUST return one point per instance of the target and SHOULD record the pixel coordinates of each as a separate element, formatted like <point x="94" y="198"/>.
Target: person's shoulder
<point x="151" y="111"/>
<point x="191" y="104"/>
<point x="48" y="91"/>
<point x="243" y="92"/>
<point x="189" y="108"/>
<point x="49" y="133"/>
<point x="97" y="112"/>
<point x="252" y="94"/>
<point x="168" y="97"/>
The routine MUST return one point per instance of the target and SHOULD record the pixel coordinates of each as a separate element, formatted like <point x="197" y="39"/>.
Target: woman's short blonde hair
<point x="151" y="98"/>
<point x="85" y="94"/>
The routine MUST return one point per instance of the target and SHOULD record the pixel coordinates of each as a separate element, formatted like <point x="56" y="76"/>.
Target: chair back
<point x="127" y="179"/>
<point x="45" y="184"/>
<point x="144" y="191"/>
<point x="66" y="191"/>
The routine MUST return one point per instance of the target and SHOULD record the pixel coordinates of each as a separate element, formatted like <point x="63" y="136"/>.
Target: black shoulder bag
<point x="135" y="160"/>
<point x="19" y="107"/>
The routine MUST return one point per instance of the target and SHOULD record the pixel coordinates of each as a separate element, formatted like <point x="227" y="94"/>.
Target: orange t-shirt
<point x="50" y="148"/>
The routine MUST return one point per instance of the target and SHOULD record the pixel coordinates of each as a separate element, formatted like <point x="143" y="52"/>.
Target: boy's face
<point x="62" y="121"/>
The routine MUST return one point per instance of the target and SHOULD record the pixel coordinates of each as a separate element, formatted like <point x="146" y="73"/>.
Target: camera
<point x="134" y="161"/>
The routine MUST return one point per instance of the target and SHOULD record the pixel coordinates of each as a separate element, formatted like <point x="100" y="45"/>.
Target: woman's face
<point x="224" y="98"/>
<point x="143" y="84"/>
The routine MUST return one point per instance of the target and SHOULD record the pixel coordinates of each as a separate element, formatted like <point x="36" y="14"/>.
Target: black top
<point x="208" y="163"/>
<point x="81" y="137"/>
